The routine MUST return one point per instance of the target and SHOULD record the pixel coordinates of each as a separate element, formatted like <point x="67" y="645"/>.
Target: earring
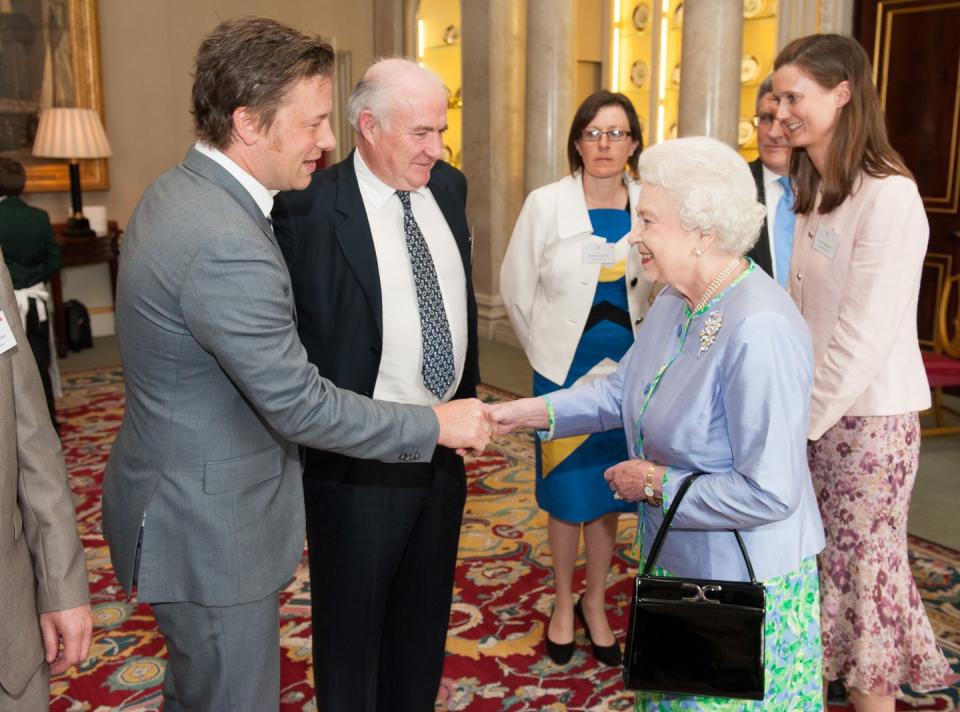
<point x="698" y="252"/>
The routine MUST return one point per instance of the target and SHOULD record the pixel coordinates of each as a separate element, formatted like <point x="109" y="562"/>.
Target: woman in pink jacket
<point x="859" y="245"/>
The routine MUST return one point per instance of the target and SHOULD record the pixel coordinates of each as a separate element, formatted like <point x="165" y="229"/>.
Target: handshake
<point x="468" y="425"/>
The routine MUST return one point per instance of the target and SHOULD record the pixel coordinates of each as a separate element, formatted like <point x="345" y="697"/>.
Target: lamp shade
<point x="71" y="133"/>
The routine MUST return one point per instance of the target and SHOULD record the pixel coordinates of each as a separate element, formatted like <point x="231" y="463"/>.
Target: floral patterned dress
<point x="876" y="635"/>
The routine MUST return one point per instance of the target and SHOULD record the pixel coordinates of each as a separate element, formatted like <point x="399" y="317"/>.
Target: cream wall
<point x="147" y="50"/>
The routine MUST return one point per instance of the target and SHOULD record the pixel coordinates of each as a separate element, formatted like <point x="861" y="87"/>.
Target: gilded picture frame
<point x="52" y="57"/>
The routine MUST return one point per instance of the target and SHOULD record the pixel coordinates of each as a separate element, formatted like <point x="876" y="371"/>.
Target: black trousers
<point x="38" y="336"/>
<point x="383" y="548"/>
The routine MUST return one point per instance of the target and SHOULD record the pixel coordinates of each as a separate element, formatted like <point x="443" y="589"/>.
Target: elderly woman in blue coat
<point x="719" y="382"/>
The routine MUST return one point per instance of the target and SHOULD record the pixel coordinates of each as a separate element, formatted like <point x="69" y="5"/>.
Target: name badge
<point x="826" y="241"/>
<point x="7" y="341"/>
<point x="599" y="254"/>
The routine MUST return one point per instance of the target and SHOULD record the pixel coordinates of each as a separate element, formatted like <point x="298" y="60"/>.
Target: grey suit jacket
<point x="42" y="567"/>
<point x="219" y="396"/>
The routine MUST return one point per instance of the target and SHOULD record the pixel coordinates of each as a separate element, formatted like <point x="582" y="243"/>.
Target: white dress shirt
<point x="772" y="193"/>
<point x="400" y="379"/>
<point x="261" y="196"/>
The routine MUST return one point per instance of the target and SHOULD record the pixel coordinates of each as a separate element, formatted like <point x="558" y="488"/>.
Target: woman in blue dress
<point x="718" y="382"/>
<point x="571" y="286"/>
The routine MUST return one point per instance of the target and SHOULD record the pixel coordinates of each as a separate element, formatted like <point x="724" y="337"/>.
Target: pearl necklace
<point x="715" y="284"/>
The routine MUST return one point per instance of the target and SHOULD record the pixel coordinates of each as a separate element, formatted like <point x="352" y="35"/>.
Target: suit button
<point x="633" y="282"/>
<point x="638" y="320"/>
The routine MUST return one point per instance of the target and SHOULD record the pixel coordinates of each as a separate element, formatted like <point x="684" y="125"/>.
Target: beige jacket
<point x="546" y="285"/>
<point x="42" y="567"/>
<point x="855" y="276"/>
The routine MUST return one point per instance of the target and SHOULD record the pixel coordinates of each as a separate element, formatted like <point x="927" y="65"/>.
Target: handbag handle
<point x="665" y="526"/>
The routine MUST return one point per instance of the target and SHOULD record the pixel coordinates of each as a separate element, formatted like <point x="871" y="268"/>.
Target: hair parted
<point x="386" y="83"/>
<point x="12" y="177"/>
<point x="859" y="141"/>
<point x="251" y="62"/>
<point x="586" y="113"/>
<point x="766" y="87"/>
<point x="712" y="187"/>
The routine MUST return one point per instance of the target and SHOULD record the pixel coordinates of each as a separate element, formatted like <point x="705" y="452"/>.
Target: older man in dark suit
<point x="379" y="255"/>
<point x="771" y="172"/>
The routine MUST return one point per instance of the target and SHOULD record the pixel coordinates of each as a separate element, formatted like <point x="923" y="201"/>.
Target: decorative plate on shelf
<point x="672" y="133"/>
<point x="752" y="8"/>
<point x="749" y="69"/>
<point x="638" y="73"/>
<point x="447" y="153"/>
<point x="744" y="132"/>
<point x="458" y="159"/>
<point x="451" y="35"/>
<point x="675" y="75"/>
<point x="455" y="99"/>
<point x="678" y="14"/>
<point x="641" y="16"/>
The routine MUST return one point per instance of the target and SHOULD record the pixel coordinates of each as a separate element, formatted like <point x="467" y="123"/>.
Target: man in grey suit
<point x="203" y="502"/>
<point x="45" y="618"/>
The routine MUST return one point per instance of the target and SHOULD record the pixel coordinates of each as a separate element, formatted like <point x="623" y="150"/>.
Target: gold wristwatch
<point x="648" y="490"/>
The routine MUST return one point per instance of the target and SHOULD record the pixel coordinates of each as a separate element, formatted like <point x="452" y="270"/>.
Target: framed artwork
<point x="49" y="56"/>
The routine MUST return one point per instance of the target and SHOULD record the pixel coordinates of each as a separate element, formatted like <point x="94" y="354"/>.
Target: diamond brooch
<point x="708" y="334"/>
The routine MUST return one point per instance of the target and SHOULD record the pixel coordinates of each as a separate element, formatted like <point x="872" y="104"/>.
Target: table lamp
<point x="72" y="134"/>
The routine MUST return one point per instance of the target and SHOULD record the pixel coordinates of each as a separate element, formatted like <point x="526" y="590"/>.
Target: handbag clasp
<point x="700" y="593"/>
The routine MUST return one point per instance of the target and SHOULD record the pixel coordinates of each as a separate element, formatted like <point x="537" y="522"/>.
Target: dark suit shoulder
<point x="446" y="176"/>
<point x="298" y="203"/>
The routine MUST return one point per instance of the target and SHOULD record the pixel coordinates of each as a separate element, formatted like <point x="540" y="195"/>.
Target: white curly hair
<point x="712" y="187"/>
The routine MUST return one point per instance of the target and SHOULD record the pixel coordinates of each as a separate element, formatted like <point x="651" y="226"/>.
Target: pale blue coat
<point x="738" y="412"/>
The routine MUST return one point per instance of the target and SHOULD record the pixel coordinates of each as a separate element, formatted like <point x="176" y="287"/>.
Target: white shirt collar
<point x="261" y="195"/>
<point x="375" y="190"/>
<point x="769" y="177"/>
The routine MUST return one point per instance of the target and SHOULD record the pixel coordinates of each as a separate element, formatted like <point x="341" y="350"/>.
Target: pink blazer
<point x="855" y="276"/>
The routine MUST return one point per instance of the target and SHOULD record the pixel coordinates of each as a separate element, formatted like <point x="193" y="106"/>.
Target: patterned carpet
<point x="495" y="657"/>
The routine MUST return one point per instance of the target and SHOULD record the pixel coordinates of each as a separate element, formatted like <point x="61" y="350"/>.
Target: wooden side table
<point x="77" y="252"/>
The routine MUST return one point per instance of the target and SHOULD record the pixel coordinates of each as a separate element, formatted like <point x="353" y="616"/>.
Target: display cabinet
<point x="645" y="44"/>
<point x="438" y="49"/>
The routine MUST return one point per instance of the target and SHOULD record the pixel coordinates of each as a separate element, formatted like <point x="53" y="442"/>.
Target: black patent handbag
<point x="695" y="636"/>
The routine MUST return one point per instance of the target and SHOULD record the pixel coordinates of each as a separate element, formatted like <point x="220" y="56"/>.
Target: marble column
<point x="393" y="26"/>
<point x="493" y="44"/>
<point x="710" y="69"/>
<point x="798" y="18"/>
<point x="551" y="66"/>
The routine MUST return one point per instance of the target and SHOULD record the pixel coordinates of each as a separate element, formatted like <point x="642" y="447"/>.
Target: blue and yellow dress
<point x="570" y="484"/>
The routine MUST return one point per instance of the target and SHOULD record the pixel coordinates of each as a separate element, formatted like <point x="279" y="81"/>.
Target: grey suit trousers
<point x="221" y="658"/>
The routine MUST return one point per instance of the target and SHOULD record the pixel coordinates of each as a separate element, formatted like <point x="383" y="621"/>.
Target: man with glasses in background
<point x="772" y="174"/>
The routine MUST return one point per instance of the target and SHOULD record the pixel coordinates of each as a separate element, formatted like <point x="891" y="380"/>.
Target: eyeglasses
<point x="612" y="134"/>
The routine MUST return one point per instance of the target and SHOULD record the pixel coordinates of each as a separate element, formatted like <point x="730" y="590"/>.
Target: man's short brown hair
<point x="12" y="177"/>
<point x="251" y="62"/>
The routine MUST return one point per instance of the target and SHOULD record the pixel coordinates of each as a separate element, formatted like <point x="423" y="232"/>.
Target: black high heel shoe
<point x="560" y="653"/>
<point x="607" y="654"/>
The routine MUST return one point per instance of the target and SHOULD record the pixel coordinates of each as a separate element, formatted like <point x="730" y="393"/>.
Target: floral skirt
<point x="876" y="635"/>
<point x="792" y="654"/>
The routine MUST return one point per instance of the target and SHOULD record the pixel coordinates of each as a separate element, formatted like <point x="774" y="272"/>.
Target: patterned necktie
<point x="783" y="231"/>
<point x="438" y="369"/>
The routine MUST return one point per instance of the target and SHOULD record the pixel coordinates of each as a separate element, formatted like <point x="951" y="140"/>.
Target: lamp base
<point x="78" y="228"/>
